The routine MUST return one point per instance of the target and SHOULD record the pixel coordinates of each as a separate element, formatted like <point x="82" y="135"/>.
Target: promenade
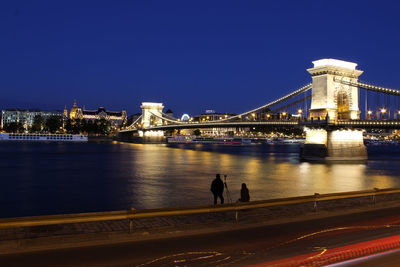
<point x="23" y="239"/>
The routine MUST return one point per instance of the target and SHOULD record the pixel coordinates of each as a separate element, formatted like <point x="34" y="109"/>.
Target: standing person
<point x="217" y="188"/>
<point x="244" y="194"/>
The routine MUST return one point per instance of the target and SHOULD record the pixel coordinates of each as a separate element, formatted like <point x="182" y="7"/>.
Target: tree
<point x="53" y="123"/>
<point x="14" y="127"/>
<point x="76" y="126"/>
<point x="197" y="132"/>
<point x="104" y="126"/>
<point x="68" y="126"/>
<point x="84" y="126"/>
<point x="38" y="124"/>
<point x="91" y="127"/>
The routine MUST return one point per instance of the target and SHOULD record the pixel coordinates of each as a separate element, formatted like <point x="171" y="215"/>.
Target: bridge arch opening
<point x="153" y="120"/>
<point x="343" y="105"/>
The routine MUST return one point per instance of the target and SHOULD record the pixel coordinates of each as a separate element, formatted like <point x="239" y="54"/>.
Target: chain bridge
<point x="333" y="110"/>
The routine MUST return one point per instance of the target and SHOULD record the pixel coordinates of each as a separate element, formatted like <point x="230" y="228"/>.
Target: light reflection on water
<point x="63" y="178"/>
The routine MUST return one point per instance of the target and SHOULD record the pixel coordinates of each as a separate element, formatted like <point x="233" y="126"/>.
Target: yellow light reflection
<point x="158" y="172"/>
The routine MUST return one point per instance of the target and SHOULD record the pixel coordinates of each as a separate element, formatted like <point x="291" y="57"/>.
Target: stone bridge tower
<point x="151" y="114"/>
<point x="332" y="101"/>
<point x="330" y="97"/>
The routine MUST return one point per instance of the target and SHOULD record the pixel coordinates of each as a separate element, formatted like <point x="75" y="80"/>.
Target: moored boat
<point x="43" y="137"/>
<point x="286" y="141"/>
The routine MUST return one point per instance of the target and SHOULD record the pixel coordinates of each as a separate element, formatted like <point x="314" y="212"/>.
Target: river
<point x="55" y="178"/>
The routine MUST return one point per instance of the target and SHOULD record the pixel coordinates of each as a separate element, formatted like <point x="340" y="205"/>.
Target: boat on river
<point x="286" y="141"/>
<point x="43" y="137"/>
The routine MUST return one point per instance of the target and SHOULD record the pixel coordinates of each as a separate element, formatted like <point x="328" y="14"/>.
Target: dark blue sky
<point x="229" y="56"/>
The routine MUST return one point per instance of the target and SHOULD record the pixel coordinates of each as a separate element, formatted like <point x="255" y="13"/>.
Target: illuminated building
<point x="74" y="109"/>
<point x="26" y="116"/>
<point x="114" y="117"/>
<point x="211" y="115"/>
<point x="65" y="112"/>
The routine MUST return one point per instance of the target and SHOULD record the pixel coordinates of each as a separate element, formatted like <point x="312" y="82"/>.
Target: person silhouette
<point x="244" y="194"/>
<point x="217" y="188"/>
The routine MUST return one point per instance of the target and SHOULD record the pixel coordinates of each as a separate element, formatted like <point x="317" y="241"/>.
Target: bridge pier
<point x="333" y="145"/>
<point x="332" y="101"/>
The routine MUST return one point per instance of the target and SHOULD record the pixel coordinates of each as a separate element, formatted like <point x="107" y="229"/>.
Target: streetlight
<point x="383" y="111"/>
<point x="300" y="112"/>
<point x="270" y="115"/>
<point x="369" y="113"/>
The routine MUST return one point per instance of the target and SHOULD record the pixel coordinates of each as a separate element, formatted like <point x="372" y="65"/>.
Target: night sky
<point x="229" y="56"/>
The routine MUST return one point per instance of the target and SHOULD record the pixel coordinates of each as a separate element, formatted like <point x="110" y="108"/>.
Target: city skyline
<point x="229" y="56"/>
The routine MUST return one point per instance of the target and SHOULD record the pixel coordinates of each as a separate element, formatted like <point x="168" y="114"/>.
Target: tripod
<point x="228" y="194"/>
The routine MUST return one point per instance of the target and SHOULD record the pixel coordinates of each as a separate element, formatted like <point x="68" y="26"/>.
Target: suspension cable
<point x="166" y="119"/>
<point x="370" y="87"/>
<point x="293" y="94"/>
<point x="133" y="123"/>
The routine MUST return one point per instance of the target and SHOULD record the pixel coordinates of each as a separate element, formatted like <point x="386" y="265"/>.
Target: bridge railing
<point x="151" y="213"/>
<point x="370" y="121"/>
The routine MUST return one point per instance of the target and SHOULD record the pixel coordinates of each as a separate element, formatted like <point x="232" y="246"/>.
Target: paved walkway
<point x="80" y="234"/>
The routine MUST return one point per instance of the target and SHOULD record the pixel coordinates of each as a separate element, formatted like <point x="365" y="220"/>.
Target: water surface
<point x="53" y="178"/>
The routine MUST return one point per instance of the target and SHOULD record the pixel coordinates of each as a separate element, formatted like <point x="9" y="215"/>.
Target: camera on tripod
<point x="228" y="194"/>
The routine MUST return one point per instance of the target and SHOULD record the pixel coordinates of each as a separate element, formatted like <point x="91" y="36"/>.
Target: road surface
<point x="228" y="248"/>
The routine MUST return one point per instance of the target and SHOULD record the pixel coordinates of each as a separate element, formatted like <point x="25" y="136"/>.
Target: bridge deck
<point x="361" y="124"/>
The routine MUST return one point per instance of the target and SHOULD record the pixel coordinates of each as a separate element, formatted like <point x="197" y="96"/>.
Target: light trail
<point x="364" y="259"/>
<point x="209" y="254"/>
<point x="328" y="252"/>
<point x="216" y="258"/>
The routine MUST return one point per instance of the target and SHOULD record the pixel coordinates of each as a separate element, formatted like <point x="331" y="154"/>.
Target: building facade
<point x="116" y="118"/>
<point x="211" y="115"/>
<point x="26" y="116"/>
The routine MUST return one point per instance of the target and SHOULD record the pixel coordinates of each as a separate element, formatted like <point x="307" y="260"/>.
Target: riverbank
<point x="35" y="238"/>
